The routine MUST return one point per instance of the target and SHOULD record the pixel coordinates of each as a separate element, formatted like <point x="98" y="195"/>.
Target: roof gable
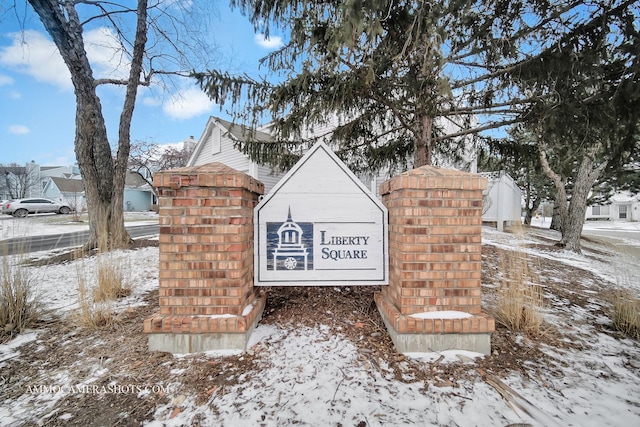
<point x="66" y="185"/>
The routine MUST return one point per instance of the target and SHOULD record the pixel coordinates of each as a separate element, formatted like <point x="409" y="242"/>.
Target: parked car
<point x="2" y="203"/>
<point x="22" y="207"/>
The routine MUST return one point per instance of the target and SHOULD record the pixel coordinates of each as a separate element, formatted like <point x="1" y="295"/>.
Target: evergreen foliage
<point x="518" y="155"/>
<point x="586" y="116"/>
<point x="406" y="79"/>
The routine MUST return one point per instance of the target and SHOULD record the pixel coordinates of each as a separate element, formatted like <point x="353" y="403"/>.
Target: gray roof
<point x="134" y="179"/>
<point x="242" y="133"/>
<point x="66" y="185"/>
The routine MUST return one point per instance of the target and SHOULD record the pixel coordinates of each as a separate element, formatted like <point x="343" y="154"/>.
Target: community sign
<point x="320" y="225"/>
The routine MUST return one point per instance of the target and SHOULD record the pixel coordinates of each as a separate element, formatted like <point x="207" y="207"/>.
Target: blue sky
<point x="37" y="104"/>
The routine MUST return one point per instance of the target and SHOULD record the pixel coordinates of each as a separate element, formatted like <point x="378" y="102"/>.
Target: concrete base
<point x="426" y="343"/>
<point x="182" y="343"/>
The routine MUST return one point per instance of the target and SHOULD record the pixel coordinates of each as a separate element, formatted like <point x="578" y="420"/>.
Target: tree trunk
<point x="586" y="176"/>
<point x="572" y="213"/>
<point x="119" y="235"/>
<point x="91" y="143"/>
<point x="423" y="146"/>
<point x="103" y="181"/>
<point x="530" y="210"/>
<point x="555" y="219"/>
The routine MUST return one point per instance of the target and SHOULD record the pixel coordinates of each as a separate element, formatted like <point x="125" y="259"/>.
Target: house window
<point x="599" y="210"/>
<point x="622" y="212"/>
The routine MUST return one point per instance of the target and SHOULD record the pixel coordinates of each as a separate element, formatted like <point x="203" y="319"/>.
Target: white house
<point x="623" y="206"/>
<point x="66" y="190"/>
<point x="217" y="145"/>
<point x="503" y="197"/>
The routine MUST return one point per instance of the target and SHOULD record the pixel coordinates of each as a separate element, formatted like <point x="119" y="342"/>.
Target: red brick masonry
<point x="435" y="245"/>
<point x="206" y="251"/>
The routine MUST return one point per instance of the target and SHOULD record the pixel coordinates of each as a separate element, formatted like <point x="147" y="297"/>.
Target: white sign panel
<point x="320" y="226"/>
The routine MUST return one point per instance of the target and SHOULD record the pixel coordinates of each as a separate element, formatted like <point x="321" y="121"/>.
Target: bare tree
<point x="148" y="158"/>
<point x="151" y="39"/>
<point x="18" y="181"/>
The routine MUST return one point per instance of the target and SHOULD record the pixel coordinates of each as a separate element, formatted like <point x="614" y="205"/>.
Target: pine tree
<point x="586" y="120"/>
<point x="518" y="155"/>
<point x="394" y="73"/>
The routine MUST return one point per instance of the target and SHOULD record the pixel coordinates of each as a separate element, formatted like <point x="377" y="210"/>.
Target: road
<point x="627" y="241"/>
<point x="64" y="240"/>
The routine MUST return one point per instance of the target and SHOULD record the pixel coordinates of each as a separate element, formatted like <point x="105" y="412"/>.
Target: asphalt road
<point x="621" y="239"/>
<point x="64" y="240"/>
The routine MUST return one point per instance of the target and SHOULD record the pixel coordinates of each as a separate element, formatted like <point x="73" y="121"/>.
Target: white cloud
<point x="273" y="42"/>
<point x="105" y="54"/>
<point x="33" y="54"/>
<point x="151" y="101"/>
<point x="187" y="103"/>
<point x="5" y="80"/>
<point x="18" y="129"/>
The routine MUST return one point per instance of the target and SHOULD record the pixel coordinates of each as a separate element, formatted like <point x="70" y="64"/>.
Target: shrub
<point x="625" y="313"/>
<point x="92" y="314"/>
<point x="95" y="301"/>
<point x="111" y="272"/>
<point x="19" y="306"/>
<point x="520" y="299"/>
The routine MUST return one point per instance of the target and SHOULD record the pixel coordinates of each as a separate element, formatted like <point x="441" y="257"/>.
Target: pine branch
<point x="489" y="126"/>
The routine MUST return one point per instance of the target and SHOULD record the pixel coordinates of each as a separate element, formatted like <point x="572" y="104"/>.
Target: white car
<point x="22" y="207"/>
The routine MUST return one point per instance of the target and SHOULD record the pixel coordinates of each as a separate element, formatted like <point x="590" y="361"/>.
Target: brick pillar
<point x="207" y="298"/>
<point x="435" y="261"/>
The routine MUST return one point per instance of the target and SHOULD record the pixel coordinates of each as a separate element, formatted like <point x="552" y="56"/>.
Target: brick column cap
<point x="214" y="174"/>
<point x="433" y="177"/>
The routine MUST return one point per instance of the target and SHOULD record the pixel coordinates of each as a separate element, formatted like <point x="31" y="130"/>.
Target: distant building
<point x="66" y="190"/>
<point x="502" y="204"/>
<point x="138" y="194"/>
<point x="622" y="206"/>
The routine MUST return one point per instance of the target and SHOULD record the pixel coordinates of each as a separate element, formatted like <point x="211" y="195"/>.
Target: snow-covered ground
<point x="46" y="224"/>
<point x="313" y="377"/>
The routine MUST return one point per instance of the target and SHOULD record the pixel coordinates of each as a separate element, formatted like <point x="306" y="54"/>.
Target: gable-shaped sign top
<point x="320" y="226"/>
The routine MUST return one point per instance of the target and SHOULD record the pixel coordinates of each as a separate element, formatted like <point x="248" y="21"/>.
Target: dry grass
<point x="19" y="304"/>
<point x="625" y="313"/>
<point x="92" y="314"/>
<point x="112" y="273"/>
<point x="95" y="300"/>
<point x="520" y="298"/>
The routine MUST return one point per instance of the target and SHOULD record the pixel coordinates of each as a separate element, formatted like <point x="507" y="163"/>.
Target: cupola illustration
<point x="290" y="252"/>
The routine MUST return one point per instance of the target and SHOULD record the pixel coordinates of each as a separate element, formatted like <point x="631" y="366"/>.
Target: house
<point x="30" y="180"/>
<point x="18" y="182"/>
<point x="502" y="201"/>
<point x="503" y="197"/>
<point x="217" y="145"/>
<point x="66" y="190"/>
<point x="622" y="206"/>
<point x="138" y="194"/>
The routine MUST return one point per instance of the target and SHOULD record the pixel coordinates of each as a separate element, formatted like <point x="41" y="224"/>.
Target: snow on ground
<point x="46" y="224"/>
<point x="312" y="377"/>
